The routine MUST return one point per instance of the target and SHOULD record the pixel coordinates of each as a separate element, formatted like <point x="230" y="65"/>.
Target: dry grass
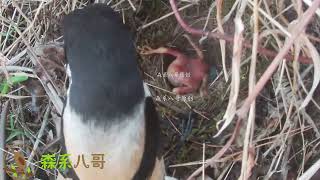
<point x="279" y="135"/>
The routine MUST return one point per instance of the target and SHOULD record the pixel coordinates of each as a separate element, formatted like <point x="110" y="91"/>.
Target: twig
<point x="40" y="133"/>
<point x="117" y="4"/>
<point x="222" y="42"/>
<point x="252" y="80"/>
<point x="15" y="68"/>
<point x="235" y="78"/>
<point x="284" y="163"/>
<point x="310" y="122"/>
<point x="159" y="88"/>
<point x="221" y="152"/>
<point x="163" y="17"/>
<point x="15" y="97"/>
<point x="241" y="9"/>
<point x="229" y="38"/>
<point x="26" y="30"/>
<point x="73" y="4"/>
<point x="203" y="160"/>
<point x="277" y="158"/>
<point x="311" y="171"/>
<point x="16" y="58"/>
<point x="212" y="6"/>
<point x="309" y="2"/>
<point x="2" y="138"/>
<point x="132" y="6"/>
<point x="316" y="63"/>
<point x="231" y="156"/>
<point x="272" y="20"/>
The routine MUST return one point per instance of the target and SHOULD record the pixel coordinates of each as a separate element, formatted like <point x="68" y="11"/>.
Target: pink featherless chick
<point x="197" y="69"/>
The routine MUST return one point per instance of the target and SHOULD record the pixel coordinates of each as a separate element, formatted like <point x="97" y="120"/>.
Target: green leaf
<point x="18" y="79"/>
<point x="11" y="117"/>
<point x="5" y="88"/>
<point x="13" y="134"/>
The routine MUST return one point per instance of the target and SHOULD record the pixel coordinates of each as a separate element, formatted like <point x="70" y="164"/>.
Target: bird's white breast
<point x="122" y="144"/>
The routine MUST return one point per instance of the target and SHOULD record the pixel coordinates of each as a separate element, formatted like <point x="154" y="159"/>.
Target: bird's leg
<point x="187" y="127"/>
<point x="186" y="130"/>
<point x="183" y="90"/>
<point x="204" y="86"/>
<point x="161" y="50"/>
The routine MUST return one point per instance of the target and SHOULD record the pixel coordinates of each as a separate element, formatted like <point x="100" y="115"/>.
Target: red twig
<point x="229" y="38"/>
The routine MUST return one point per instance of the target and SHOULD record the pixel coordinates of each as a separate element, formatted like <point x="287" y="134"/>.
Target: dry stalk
<point x="3" y="119"/>
<point x="222" y="42"/>
<point x="221" y="152"/>
<point x="235" y="77"/>
<point x="245" y="170"/>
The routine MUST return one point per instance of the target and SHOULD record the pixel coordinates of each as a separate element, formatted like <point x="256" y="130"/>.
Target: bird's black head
<point x="105" y="82"/>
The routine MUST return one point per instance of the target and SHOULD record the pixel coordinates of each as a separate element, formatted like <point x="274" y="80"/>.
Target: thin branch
<point x="222" y="42"/>
<point x="311" y="171"/>
<point x="309" y="2"/>
<point x="40" y="133"/>
<point x="252" y="80"/>
<point x="15" y="68"/>
<point x="2" y="138"/>
<point x="235" y="78"/>
<point x="163" y="17"/>
<point x="215" y="158"/>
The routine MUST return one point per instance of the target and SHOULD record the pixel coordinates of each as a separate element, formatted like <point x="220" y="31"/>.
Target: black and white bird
<point x="108" y="108"/>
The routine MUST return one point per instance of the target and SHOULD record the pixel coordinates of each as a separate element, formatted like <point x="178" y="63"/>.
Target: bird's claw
<point x="145" y="50"/>
<point x="187" y="127"/>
